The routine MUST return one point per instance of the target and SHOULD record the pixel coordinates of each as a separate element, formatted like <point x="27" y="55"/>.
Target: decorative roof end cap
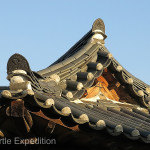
<point x="99" y="27"/>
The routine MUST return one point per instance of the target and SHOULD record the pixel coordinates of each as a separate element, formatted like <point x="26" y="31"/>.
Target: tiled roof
<point x="56" y="89"/>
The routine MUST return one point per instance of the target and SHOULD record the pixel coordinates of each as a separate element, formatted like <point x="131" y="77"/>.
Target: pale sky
<point x="43" y="30"/>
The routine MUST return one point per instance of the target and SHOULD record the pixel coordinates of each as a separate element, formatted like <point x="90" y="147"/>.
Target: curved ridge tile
<point x="136" y="87"/>
<point x="69" y="56"/>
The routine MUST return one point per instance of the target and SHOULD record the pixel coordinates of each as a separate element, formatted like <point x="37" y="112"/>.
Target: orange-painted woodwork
<point x="101" y="86"/>
<point x="102" y="80"/>
<point x="114" y="94"/>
